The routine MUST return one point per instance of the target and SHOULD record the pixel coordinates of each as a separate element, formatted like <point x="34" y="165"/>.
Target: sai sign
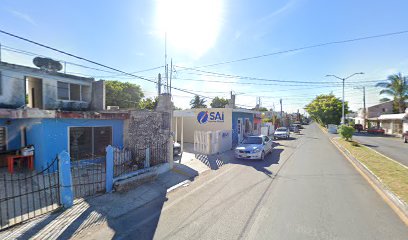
<point x="204" y="116"/>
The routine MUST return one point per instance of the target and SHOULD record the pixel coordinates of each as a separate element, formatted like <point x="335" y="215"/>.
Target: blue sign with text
<point x="204" y="116"/>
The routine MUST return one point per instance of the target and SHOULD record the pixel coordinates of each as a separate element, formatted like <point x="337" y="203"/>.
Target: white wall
<point x="13" y="87"/>
<point x="191" y="124"/>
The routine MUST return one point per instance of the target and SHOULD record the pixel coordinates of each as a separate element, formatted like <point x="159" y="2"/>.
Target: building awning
<point x="399" y="116"/>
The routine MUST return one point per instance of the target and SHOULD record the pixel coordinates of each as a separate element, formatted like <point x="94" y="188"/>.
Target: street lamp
<point x="343" y="120"/>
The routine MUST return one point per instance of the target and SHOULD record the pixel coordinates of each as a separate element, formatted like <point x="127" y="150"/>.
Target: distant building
<point x="373" y="112"/>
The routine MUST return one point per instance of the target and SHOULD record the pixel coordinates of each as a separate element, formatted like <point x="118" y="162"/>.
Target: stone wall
<point x="145" y="128"/>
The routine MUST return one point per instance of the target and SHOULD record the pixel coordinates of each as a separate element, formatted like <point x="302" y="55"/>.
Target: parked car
<point x="254" y="147"/>
<point x="358" y="127"/>
<point x="294" y="128"/>
<point x="332" y="128"/>
<point x="375" y="130"/>
<point x="299" y="125"/>
<point x="405" y="137"/>
<point x="176" y="148"/>
<point x="282" y="132"/>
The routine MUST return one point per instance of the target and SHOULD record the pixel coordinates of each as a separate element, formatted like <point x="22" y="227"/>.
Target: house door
<point x="240" y="130"/>
<point x="34" y="92"/>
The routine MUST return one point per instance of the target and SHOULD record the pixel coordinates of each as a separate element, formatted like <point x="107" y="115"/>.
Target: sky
<point x="201" y="34"/>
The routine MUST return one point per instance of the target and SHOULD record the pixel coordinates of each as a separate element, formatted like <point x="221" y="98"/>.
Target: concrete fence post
<point x="109" y="168"/>
<point x="147" y="159"/>
<point x="66" y="193"/>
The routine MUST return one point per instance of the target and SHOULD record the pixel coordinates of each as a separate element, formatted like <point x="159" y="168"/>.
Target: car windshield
<point x="281" y="129"/>
<point x="252" y="140"/>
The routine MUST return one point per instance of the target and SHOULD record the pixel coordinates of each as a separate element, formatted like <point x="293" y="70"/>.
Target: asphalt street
<point x="392" y="147"/>
<point x="305" y="189"/>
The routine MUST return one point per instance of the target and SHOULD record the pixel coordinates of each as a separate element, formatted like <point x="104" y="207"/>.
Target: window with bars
<point x="3" y="139"/>
<point x="89" y="142"/>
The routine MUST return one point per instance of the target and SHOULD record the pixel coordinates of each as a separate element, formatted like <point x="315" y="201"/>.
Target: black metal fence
<point x="28" y="194"/>
<point x="88" y="177"/>
<point x="127" y="160"/>
<point x="158" y="153"/>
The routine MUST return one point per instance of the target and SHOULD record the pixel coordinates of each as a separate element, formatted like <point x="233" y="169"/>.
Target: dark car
<point x="358" y="127"/>
<point x="176" y="148"/>
<point x="375" y="130"/>
<point x="405" y="137"/>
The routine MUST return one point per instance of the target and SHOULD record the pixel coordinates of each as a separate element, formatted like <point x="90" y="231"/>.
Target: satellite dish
<point x="47" y="64"/>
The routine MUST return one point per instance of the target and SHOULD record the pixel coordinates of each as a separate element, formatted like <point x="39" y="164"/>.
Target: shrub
<point x="346" y="132"/>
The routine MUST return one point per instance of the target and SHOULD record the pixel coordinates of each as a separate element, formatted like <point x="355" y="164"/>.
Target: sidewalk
<point x="103" y="209"/>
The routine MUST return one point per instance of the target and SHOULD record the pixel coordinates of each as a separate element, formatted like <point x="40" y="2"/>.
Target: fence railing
<point x="128" y="160"/>
<point x="25" y="195"/>
<point x="88" y="177"/>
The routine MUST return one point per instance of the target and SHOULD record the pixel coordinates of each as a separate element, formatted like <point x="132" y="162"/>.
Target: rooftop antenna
<point x="171" y="73"/>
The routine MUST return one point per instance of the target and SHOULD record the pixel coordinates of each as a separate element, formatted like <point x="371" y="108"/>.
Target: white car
<point x="254" y="147"/>
<point x="282" y="132"/>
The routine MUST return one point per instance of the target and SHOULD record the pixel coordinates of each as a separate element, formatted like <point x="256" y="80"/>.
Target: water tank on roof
<point x="47" y="64"/>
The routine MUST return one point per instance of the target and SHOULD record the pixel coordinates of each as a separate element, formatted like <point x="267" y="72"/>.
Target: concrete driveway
<point x="391" y="147"/>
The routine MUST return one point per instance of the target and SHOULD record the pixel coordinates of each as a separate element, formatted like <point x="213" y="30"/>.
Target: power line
<point x="270" y="84"/>
<point x="91" y="61"/>
<point x="213" y="74"/>
<point x="27" y="53"/>
<point x="306" y="47"/>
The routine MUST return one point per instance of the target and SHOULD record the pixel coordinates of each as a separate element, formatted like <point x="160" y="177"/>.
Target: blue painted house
<point x="242" y="124"/>
<point x="82" y="138"/>
<point x="54" y="112"/>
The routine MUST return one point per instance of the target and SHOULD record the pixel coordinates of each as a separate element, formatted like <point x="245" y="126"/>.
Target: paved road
<point x="392" y="147"/>
<point x="305" y="190"/>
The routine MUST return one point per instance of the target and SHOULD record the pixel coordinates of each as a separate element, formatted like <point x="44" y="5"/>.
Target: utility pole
<point x="0" y="52"/>
<point x="364" y="106"/>
<point x="171" y="73"/>
<point x="364" y="110"/>
<point x="165" y="61"/>
<point x="159" y="85"/>
<point x="232" y="100"/>
<point x="281" y="111"/>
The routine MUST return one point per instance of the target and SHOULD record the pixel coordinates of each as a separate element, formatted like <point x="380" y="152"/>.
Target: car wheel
<point x="405" y="140"/>
<point x="263" y="156"/>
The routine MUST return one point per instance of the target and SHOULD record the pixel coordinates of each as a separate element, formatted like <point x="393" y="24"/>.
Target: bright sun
<point x="191" y="25"/>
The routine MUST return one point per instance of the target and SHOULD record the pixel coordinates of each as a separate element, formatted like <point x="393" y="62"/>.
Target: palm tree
<point x="197" y="102"/>
<point x="397" y="87"/>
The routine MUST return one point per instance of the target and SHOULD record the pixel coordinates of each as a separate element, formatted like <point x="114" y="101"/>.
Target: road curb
<point x="396" y="204"/>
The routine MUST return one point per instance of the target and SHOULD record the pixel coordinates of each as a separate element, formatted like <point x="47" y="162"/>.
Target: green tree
<point x="326" y="109"/>
<point x="198" y="102"/>
<point x="148" y="103"/>
<point x="218" y="102"/>
<point x="123" y="94"/>
<point x="396" y="86"/>
<point x="346" y="132"/>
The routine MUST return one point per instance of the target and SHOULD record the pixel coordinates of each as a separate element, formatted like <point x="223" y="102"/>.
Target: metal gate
<point x="28" y="194"/>
<point x="88" y="177"/>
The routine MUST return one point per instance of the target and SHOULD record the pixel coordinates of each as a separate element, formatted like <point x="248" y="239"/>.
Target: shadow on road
<point x="114" y="210"/>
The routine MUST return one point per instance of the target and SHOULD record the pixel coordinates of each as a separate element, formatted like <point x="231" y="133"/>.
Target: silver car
<point x="254" y="147"/>
<point x="282" y="132"/>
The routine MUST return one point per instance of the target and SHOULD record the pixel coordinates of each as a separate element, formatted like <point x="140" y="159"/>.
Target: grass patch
<point x="392" y="174"/>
